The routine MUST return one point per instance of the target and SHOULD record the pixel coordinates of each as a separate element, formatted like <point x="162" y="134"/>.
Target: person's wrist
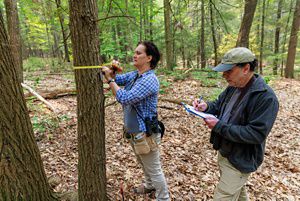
<point x="110" y="80"/>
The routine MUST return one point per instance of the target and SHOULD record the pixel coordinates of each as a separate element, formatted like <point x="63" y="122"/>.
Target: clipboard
<point x="191" y="110"/>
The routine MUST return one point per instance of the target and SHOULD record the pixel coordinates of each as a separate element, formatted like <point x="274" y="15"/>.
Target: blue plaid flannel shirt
<point x="143" y="94"/>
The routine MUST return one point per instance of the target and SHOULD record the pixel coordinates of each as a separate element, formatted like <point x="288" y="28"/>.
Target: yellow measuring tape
<point x="90" y="67"/>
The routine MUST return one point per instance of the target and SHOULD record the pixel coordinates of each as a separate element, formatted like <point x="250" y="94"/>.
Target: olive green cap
<point x="235" y="56"/>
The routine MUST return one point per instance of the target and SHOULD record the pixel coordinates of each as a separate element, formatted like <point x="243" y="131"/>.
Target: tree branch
<point x="114" y="16"/>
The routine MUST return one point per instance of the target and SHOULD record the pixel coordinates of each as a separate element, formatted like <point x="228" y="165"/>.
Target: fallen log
<point x="47" y="94"/>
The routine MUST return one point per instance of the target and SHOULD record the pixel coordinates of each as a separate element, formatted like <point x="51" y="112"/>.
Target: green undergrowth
<point x="44" y="122"/>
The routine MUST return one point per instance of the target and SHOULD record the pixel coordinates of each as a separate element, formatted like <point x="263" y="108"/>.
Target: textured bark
<point x="212" y="26"/>
<point x="249" y="10"/>
<point x="262" y="34"/>
<point x="285" y="37"/>
<point x="22" y="176"/>
<point x="202" y="39"/>
<point x="90" y="100"/>
<point x="289" y="70"/>
<point x="168" y="35"/>
<point x="13" y="27"/>
<point x="277" y="38"/>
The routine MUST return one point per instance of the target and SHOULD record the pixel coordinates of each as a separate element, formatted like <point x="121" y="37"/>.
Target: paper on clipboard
<point x="191" y="110"/>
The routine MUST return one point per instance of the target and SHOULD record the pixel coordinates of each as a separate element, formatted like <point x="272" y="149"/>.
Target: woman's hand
<point x="108" y="73"/>
<point x="200" y="106"/>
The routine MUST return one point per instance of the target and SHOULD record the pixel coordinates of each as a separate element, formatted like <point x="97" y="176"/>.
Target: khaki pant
<point x="154" y="176"/>
<point x="232" y="182"/>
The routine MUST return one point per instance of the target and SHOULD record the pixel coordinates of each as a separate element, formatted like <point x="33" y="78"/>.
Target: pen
<point x="200" y="99"/>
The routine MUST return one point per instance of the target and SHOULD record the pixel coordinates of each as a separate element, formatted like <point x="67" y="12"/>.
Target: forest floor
<point x="189" y="162"/>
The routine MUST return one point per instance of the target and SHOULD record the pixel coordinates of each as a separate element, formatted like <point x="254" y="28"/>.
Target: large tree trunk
<point x="90" y="100"/>
<point x="262" y="34"/>
<point x="14" y="34"/>
<point x="249" y="10"/>
<point x="277" y="38"/>
<point x="289" y="70"/>
<point x="21" y="168"/>
<point x="168" y="35"/>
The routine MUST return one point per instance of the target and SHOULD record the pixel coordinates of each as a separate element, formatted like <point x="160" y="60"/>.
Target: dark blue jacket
<point x="242" y="140"/>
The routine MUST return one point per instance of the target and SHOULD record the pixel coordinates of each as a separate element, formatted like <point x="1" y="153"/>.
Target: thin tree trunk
<point x="151" y="21"/>
<point x="64" y="34"/>
<point x="285" y="38"/>
<point x="168" y="35"/>
<point x="277" y="38"/>
<point x="212" y="26"/>
<point x="202" y="36"/>
<point x="21" y="168"/>
<point x="249" y="10"/>
<point x="289" y="70"/>
<point x="262" y="34"/>
<point x="141" y="20"/>
<point x="13" y="26"/>
<point x="90" y="101"/>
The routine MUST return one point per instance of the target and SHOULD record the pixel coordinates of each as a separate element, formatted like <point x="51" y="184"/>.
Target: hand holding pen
<point x="199" y="104"/>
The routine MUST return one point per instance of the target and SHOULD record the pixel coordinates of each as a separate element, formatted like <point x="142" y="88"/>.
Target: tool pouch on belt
<point x="140" y="143"/>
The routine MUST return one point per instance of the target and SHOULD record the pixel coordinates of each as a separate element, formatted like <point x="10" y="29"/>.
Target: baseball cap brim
<point x="223" y="67"/>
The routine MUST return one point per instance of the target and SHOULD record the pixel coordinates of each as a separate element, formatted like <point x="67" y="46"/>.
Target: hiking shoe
<point x="143" y="190"/>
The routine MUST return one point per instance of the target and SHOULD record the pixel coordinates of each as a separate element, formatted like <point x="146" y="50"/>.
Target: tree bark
<point x="249" y="10"/>
<point x="64" y="34"/>
<point x="277" y="38"/>
<point x="90" y="100"/>
<point x="21" y="168"/>
<point x="168" y="35"/>
<point x="212" y="26"/>
<point x="262" y="34"/>
<point x="202" y="37"/>
<point x="289" y="70"/>
<point x="13" y="27"/>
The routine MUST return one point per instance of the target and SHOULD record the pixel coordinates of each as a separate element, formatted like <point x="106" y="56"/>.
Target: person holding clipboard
<point x="242" y="117"/>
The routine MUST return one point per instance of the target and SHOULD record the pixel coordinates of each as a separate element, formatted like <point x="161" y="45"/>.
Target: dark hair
<point x="253" y="64"/>
<point x="151" y="50"/>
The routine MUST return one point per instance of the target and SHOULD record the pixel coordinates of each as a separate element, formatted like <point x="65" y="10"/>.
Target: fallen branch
<point x="111" y="103"/>
<point x="178" y="102"/>
<point x="39" y="97"/>
<point x="166" y="107"/>
<point x="188" y="70"/>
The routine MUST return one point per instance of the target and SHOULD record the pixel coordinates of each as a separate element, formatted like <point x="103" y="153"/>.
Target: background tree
<point x="277" y="38"/>
<point x="213" y="32"/>
<point x="21" y="168"/>
<point x="14" y="35"/>
<point x="289" y="70"/>
<point x="262" y="34"/>
<point x="202" y="36"/>
<point x="168" y="35"/>
<point x="249" y="10"/>
<point x="63" y="30"/>
<point x="90" y="100"/>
